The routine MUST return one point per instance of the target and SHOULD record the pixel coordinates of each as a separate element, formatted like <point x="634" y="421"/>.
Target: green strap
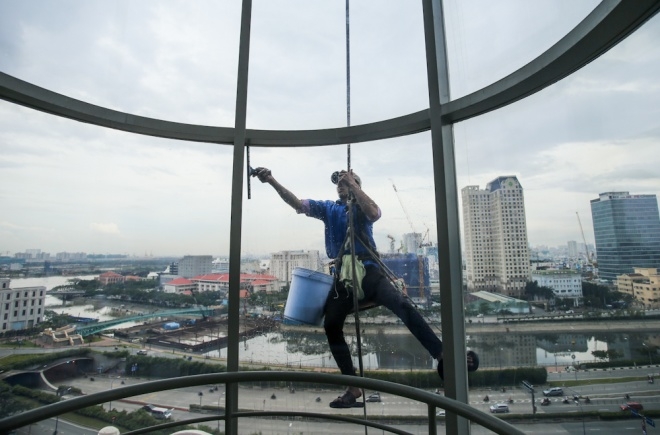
<point x="346" y="274"/>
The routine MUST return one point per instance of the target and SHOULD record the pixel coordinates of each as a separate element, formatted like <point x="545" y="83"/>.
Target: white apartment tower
<point x="495" y="230"/>
<point x="282" y="263"/>
<point x="20" y="308"/>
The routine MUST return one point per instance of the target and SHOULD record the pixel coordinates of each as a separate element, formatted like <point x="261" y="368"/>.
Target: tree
<point x="597" y="295"/>
<point x="600" y="354"/>
<point x="534" y="291"/>
<point x="9" y="404"/>
<point x="485" y="308"/>
<point x="614" y="354"/>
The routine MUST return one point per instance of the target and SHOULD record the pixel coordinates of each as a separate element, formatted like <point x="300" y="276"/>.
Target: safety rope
<point x="351" y="229"/>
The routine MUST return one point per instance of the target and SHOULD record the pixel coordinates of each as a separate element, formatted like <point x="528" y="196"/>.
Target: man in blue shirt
<point x="377" y="287"/>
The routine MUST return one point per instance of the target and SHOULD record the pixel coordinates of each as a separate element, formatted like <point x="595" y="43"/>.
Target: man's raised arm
<point x="265" y="176"/>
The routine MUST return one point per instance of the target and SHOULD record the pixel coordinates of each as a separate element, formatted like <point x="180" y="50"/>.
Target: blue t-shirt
<point x="334" y="215"/>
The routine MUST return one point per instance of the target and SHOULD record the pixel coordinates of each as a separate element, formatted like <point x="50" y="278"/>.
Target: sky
<point x="71" y="187"/>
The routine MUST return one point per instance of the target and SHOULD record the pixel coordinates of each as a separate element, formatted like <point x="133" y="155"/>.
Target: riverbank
<point x="530" y="327"/>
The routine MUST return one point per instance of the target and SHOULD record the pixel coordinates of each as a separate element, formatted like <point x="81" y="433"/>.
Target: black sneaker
<point x="472" y="364"/>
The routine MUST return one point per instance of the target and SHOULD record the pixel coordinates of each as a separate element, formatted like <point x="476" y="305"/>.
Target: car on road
<point x="375" y="397"/>
<point x="158" y="412"/>
<point x="142" y="352"/>
<point x="441" y="413"/>
<point x="499" y="408"/>
<point x="631" y="405"/>
<point x="161" y="413"/>
<point x="556" y="391"/>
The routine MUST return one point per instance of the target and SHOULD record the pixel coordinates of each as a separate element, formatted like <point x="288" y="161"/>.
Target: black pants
<point x="377" y="288"/>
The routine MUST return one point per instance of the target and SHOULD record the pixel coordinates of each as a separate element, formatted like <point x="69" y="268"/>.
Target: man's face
<point x="342" y="190"/>
<point x="342" y="187"/>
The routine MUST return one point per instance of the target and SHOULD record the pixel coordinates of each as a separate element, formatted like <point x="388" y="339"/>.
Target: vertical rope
<point x="351" y="211"/>
<point x="348" y="82"/>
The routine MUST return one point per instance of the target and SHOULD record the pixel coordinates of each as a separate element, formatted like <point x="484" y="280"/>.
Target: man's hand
<point x="347" y="179"/>
<point x="263" y="174"/>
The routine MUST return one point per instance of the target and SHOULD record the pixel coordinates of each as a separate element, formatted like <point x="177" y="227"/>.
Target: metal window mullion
<point x="233" y="330"/>
<point x="446" y="203"/>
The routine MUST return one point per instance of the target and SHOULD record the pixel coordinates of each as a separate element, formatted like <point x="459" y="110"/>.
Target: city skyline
<point x="77" y="188"/>
<point x="533" y="248"/>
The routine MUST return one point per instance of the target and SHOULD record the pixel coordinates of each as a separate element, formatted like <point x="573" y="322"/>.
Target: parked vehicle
<point x="556" y="391"/>
<point x="499" y="408"/>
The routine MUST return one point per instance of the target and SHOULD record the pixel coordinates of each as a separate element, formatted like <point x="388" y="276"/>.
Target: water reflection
<point x="382" y="349"/>
<point x="400" y="351"/>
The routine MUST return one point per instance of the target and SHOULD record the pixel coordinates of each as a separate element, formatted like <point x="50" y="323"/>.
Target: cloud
<point x="593" y="131"/>
<point x="105" y="228"/>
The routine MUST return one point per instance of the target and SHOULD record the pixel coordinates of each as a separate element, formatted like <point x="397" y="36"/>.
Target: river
<point x="383" y="350"/>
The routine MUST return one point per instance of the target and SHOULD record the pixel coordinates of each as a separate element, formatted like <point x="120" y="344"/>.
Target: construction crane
<point x="424" y="240"/>
<point x="412" y="227"/>
<point x="389" y="236"/>
<point x="589" y="260"/>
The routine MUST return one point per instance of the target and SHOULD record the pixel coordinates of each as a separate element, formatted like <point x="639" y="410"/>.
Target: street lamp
<point x="60" y="393"/>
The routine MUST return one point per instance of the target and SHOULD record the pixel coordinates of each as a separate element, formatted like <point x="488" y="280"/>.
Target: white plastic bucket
<point x="307" y="295"/>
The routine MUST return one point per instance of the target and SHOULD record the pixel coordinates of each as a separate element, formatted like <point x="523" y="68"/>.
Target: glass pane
<point x="298" y="63"/>
<point x="489" y="40"/>
<point x="161" y="59"/>
<point x="138" y="218"/>
<point x="275" y="234"/>
<point x="593" y="132"/>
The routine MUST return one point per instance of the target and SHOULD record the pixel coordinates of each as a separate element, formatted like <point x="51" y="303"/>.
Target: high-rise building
<point x="412" y="243"/>
<point x="282" y="263"/>
<point x="495" y="230"/>
<point x="572" y="249"/>
<point x="193" y="265"/>
<point x="627" y="233"/>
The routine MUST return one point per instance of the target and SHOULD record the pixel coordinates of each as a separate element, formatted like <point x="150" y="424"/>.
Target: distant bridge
<point x="65" y="291"/>
<point x="94" y="328"/>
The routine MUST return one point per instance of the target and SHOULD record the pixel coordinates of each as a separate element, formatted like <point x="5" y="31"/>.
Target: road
<point x="605" y="397"/>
